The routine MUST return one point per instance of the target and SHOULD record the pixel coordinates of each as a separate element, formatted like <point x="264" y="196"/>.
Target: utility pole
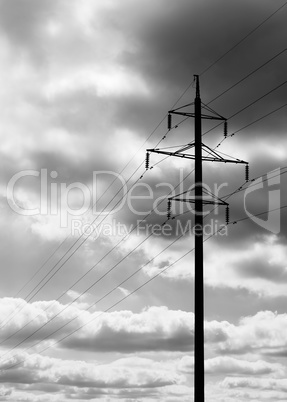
<point x="198" y="256"/>
<point x="199" y="200"/>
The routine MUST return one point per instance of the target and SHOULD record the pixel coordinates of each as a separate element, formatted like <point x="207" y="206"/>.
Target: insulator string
<point x="147" y="160"/>
<point x="225" y="129"/>
<point x="169" y="122"/>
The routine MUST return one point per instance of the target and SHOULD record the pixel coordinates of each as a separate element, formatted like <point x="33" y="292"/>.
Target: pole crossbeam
<point x="179" y="154"/>
<point x="204" y="116"/>
<point x="206" y="202"/>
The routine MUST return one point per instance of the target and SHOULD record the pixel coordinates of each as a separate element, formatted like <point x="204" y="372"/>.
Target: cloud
<point x="256" y="383"/>
<point x="118" y="377"/>
<point x="155" y="328"/>
<point x="84" y="83"/>
<point x="231" y="366"/>
<point x="227" y="365"/>
<point x="260" y="334"/>
<point x="258" y="266"/>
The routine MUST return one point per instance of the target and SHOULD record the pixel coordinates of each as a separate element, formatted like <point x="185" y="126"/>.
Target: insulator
<point x="225" y="128"/>
<point x="168" y="209"/>
<point x="169" y="121"/>
<point x="227" y="215"/>
<point x="246" y="172"/>
<point x="147" y="161"/>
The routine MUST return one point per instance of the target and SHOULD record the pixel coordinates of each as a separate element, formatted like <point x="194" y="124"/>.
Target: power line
<point x="248" y="75"/>
<point x="243" y="39"/>
<point x="73" y="252"/>
<point x="94" y="267"/>
<point x="250" y="124"/>
<point x="249" y="105"/>
<point x="131" y="293"/>
<point x="94" y="219"/>
<point x="88" y="308"/>
<point x="146" y="216"/>
<point x="41" y="267"/>
<point x="67" y="306"/>
<point x="158" y="125"/>
<point x="158" y="162"/>
<point x="235" y="114"/>
<point x="234" y="222"/>
<point x="129" y="233"/>
<point x="154" y="165"/>
<point x="260" y="118"/>
<point x="242" y="188"/>
<point x="257" y="100"/>
<point x="251" y="32"/>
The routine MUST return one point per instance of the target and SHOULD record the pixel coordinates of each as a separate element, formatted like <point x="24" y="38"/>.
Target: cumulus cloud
<point x="155" y="328"/>
<point x="259" y="267"/>
<point x="262" y="333"/>
<point x="256" y="383"/>
<point x="229" y="365"/>
<point x="138" y="376"/>
<point x="130" y="373"/>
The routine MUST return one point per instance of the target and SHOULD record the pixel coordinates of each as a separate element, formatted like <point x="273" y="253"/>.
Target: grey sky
<point x="84" y="84"/>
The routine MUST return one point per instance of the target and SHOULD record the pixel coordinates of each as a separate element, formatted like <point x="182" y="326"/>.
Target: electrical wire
<point x="243" y="39"/>
<point x="74" y="243"/>
<point x="30" y="295"/>
<point x="224" y="197"/>
<point x="177" y="101"/>
<point x="249" y="105"/>
<point x="264" y="115"/>
<point x="41" y="267"/>
<point x="162" y="270"/>
<point x="88" y="308"/>
<point x="122" y="281"/>
<point x="250" y="124"/>
<point x="239" y="189"/>
<point x="123" y="239"/>
<point x="259" y="214"/>
<point x="248" y="75"/>
<point x="203" y="72"/>
<point x="131" y="293"/>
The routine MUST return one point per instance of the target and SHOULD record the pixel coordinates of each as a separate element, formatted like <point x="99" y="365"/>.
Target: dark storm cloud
<point x="182" y="36"/>
<point x="182" y="41"/>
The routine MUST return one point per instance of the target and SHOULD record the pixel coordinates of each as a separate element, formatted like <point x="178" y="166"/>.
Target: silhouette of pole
<point x="212" y="156"/>
<point x="198" y="257"/>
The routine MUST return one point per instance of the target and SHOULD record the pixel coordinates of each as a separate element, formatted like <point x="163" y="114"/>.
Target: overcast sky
<point x="85" y="88"/>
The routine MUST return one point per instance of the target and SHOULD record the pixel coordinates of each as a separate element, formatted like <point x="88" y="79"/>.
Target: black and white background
<point x="85" y="85"/>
